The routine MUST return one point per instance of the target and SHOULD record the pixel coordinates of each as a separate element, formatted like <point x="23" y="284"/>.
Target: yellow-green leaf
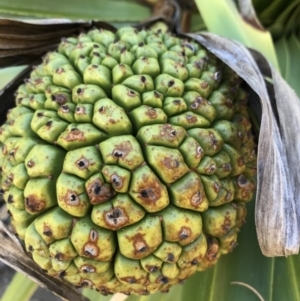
<point x="21" y="288"/>
<point x="293" y="69"/>
<point x="104" y="10"/>
<point x="223" y="18"/>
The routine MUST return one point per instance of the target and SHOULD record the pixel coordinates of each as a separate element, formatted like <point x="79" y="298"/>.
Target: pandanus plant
<point x="129" y="154"/>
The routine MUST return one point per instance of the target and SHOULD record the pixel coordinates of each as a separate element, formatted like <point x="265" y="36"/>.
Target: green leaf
<point x="273" y="10"/>
<point x="261" y="5"/>
<point x="292" y="21"/>
<point x="283" y="56"/>
<point x="285" y="14"/>
<point x="20" y="288"/>
<point x="197" y="23"/>
<point x="227" y="22"/>
<point x="8" y="74"/>
<point x="103" y="10"/>
<point x="278" y="27"/>
<point x="292" y="74"/>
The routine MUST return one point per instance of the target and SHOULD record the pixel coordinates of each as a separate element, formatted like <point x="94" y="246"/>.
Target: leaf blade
<point x="20" y="288"/>
<point x="103" y="10"/>
<point x="293" y="73"/>
<point x="227" y="22"/>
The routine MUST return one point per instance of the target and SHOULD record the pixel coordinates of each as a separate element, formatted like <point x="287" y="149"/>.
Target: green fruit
<point x="127" y="161"/>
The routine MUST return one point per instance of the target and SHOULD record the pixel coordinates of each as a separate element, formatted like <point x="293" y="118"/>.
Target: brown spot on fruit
<point x="242" y="180"/>
<point x="226" y="167"/>
<point x="129" y="279"/>
<point x="122" y="150"/>
<point x="59" y="256"/>
<point x="117" y="181"/>
<point x="38" y="81"/>
<point x="104" y="290"/>
<point x="86" y="282"/>
<point x="163" y="280"/>
<point x="196" y="199"/>
<point x="115" y="218"/>
<point x="170" y="257"/>
<point x="71" y="198"/>
<point x="195" y="104"/>
<point x="211" y="168"/>
<point x="139" y="244"/>
<point x="151" y="113"/>
<point x="228" y="195"/>
<point x="82" y="163"/>
<point x="30" y="163"/>
<point x="213" y="140"/>
<point x="241" y="161"/>
<point x="13" y="152"/>
<point x="150" y="190"/>
<point x="216" y="187"/>
<point x="226" y="224"/>
<point x="199" y="152"/>
<point x="87" y="269"/>
<point x="4" y="150"/>
<point x="171" y="83"/>
<point x="184" y="233"/>
<point x="99" y="192"/>
<point x="170" y="163"/>
<point x="80" y="91"/>
<point x="80" y="110"/>
<point x="131" y="93"/>
<point x="151" y="268"/>
<point x="90" y="249"/>
<point x="93" y="235"/>
<point x="47" y="230"/>
<point x="75" y="134"/>
<point x="168" y="131"/>
<point x="33" y="204"/>
<point x="10" y="199"/>
<point x="62" y="274"/>
<point x="204" y="85"/>
<point x="60" y="99"/>
<point x="59" y="70"/>
<point x="212" y="249"/>
<point x="11" y="177"/>
<point x="156" y="94"/>
<point x="194" y="262"/>
<point x="228" y="103"/>
<point x="143" y="292"/>
<point x="190" y="118"/>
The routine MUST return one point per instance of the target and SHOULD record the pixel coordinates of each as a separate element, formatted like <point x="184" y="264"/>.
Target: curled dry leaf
<point x="277" y="211"/>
